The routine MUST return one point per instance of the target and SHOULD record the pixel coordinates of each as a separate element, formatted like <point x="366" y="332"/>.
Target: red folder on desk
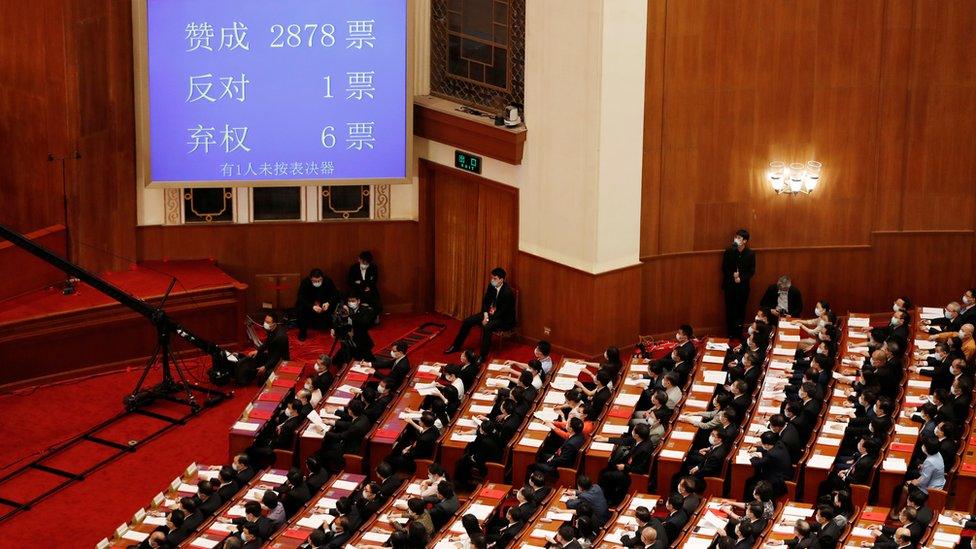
<point x="283" y="383"/>
<point x="387" y="433"/>
<point x="875" y="516"/>
<point x="969" y="467"/>
<point x="621" y="412"/>
<point x="290" y="369"/>
<point x="356" y="376"/>
<point x="295" y="533"/>
<point x="492" y="493"/>
<point x="902" y="447"/>
<point x="260" y="414"/>
<point x="269" y="396"/>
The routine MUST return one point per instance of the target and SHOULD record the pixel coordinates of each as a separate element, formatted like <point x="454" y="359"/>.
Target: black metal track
<point x="37" y="464"/>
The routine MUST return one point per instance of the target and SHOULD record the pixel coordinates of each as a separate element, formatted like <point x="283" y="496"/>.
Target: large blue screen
<point x="251" y="90"/>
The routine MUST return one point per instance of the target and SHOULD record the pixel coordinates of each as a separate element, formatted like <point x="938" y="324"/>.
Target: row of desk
<point x="779" y="358"/>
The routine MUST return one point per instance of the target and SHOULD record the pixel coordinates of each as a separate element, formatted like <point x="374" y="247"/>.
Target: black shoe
<point x="451" y="350"/>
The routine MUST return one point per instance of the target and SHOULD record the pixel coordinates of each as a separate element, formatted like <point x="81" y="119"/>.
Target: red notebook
<point x="968" y="467"/>
<point x="283" y="383"/>
<point x="260" y="414"/>
<point x="268" y="396"/>
<point x="620" y="412"/>
<point x="290" y="369"/>
<point x="493" y="493"/>
<point x="880" y="517"/>
<point x="387" y="433"/>
<point x="972" y="440"/>
<point x="295" y="533"/>
<point x="356" y="376"/>
<point x="902" y="447"/>
<point x="425" y="375"/>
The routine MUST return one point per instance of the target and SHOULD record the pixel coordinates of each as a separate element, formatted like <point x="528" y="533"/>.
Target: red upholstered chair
<point x="354" y="463"/>
<point x="937" y="500"/>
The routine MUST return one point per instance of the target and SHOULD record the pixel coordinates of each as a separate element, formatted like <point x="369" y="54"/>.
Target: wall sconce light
<point x="795" y="178"/>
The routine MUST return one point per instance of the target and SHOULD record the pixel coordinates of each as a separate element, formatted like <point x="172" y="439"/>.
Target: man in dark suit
<point x="294" y="493"/>
<point x="317" y="475"/>
<point x="803" y="537"/>
<point x="709" y="460"/>
<point x="388" y="480"/>
<point x="600" y="397"/>
<point x="268" y="355"/>
<point x="788" y="434"/>
<point x="565" y="538"/>
<point x="283" y="435"/>
<point x="242" y="466"/>
<point x="316" y="301"/>
<point x="363" y="280"/>
<point x="229" y="485"/>
<point x="396" y="366"/>
<point x="351" y="327"/>
<point x="422" y="446"/>
<point x="345" y="436"/>
<point x="771" y="462"/>
<point x="565" y="456"/>
<point x="676" y="518"/>
<point x="856" y="471"/>
<point x="208" y="500"/>
<point x="446" y="505"/>
<point x="826" y="529"/>
<point x="738" y="266"/>
<point x="497" y="313"/>
<point x="782" y="299"/>
<point x="631" y="454"/>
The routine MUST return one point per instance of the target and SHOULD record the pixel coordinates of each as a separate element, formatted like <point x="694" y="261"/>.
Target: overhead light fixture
<point x="795" y="178"/>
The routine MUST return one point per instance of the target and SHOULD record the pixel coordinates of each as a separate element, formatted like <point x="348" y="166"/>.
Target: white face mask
<point x="818" y="311"/>
<point x="393" y="354"/>
<point x="948" y="314"/>
<point x="317" y="284"/>
<point x="967" y="300"/>
<point x="736" y="242"/>
<point x="496" y="283"/>
<point x="352" y="305"/>
<point x="894" y="321"/>
<point x="268" y="325"/>
<point x="895" y="308"/>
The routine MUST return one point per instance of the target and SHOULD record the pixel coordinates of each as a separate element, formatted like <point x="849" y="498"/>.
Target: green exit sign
<point x="467" y="162"/>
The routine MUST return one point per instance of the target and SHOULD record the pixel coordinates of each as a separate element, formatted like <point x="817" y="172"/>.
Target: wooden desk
<point x="779" y="358"/>
<point x="153" y="515"/>
<point x="461" y="430"/>
<point x="310" y="435"/>
<point x="820" y="458"/>
<point x="701" y="530"/>
<point x="625" y="523"/>
<point x="272" y="397"/>
<point x="946" y="532"/>
<point x="785" y="519"/>
<point x="544" y="525"/>
<point x="213" y="531"/>
<point x="675" y="444"/>
<point x="915" y="392"/>
<point x="869" y="516"/>
<point x="297" y="530"/>
<point x="390" y="426"/>
<point x="529" y="439"/>
<point x="615" y="420"/>
<point x="482" y="504"/>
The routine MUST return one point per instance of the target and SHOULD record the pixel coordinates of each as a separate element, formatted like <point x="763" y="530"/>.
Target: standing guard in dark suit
<point x="497" y="313"/>
<point x="317" y="298"/>
<point x="351" y="328"/>
<point x="363" y="280"/>
<point x="738" y="266"/>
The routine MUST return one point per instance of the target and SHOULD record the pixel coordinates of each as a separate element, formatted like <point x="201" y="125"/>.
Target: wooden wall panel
<point x="585" y="313"/>
<point x="244" y="251"/>
<point x="32" y="114"/>
<point x="22" y="272"/>
<point x="750" y="82"/>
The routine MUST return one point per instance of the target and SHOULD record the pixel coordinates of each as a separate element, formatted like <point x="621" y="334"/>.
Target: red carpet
<point x="90" y="510"/>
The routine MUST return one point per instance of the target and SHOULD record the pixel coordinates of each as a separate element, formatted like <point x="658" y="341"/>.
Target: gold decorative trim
<point x="381" y="202"/>
<point x="172" y="206"/>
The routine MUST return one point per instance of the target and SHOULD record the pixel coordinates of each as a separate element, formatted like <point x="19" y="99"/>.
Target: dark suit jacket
<point x="712" y="462"/>
<point x="423" y="447"/>
<point x="598" y="402"/>
<point x="349" y="436"/>
<point x="363" y="319"/>
<point x="674" y="523"/>
<point x="829" y="535"/>
<point x="734" y="260"/>
<point x="793" y="298"/>
<point x="358" y="285"/>
<point x="274" y="349"/>
<point x="210" y="506"/>
<point x="398" y="370"/>
<point x="502" y="301"/>
<point x="309" y="295"/>
<point x="284" y="437"/>
<point x="774" y="465"/>
<point x="443" y="511"/>
<point x="790" y="437"/>
<point x="565" y="456"/>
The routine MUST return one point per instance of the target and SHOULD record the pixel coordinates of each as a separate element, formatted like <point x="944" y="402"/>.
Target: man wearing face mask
<point x="950" y="322"/>
<point x="782" y="299"/>
<point x="497" y="314"/>
<point x="317" y="297"/>
<point x="396" y="366"/>
<point x="738" y="266"/>
<point x="351" y="327"/>
<point x="268" y="355"/>
<point x="363" y="280"/>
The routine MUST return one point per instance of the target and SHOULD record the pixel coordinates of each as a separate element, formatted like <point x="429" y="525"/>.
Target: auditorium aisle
<point x="82" y="514"/>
